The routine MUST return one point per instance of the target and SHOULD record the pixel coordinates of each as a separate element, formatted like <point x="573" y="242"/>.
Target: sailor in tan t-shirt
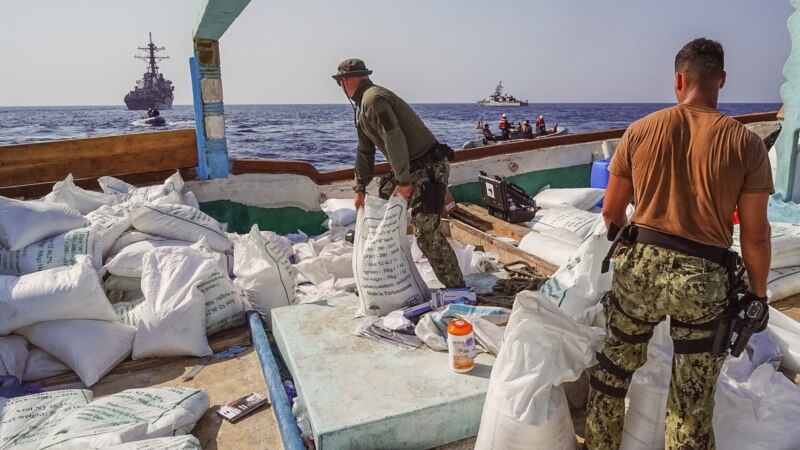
<point x="686" y="168"/>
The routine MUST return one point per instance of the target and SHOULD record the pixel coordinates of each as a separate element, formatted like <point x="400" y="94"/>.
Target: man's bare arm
<point x="618" y="194"/>
<point x="754" y="237"/>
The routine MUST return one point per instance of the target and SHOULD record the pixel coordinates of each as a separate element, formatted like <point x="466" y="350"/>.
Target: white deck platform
<point x="362" y="394"/>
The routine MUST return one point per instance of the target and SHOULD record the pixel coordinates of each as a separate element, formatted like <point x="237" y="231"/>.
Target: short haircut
<point x="701" y="60"/>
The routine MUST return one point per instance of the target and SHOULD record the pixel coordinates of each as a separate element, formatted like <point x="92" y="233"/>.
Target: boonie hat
<point x="351" y="67"/>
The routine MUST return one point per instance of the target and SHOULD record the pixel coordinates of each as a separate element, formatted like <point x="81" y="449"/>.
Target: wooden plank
<point x="497" y="225"/>
<point x="152" y="160"/>
<point x="507" y="252"/>
<point x="137" y="179"/>
<point x="218" y="343"/>
<point x="82" y="148"/>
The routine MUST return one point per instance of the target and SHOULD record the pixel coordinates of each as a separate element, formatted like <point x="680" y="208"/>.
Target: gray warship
<point x="152" y="90"/>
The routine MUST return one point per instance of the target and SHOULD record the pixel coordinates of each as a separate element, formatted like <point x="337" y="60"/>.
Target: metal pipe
<point x="290" y="433"/>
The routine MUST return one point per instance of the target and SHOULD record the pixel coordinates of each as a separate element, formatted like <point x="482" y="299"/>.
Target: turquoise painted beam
<point x="783" y="205"/>
<point x="786" y="178"/>
<point x="216" y="17"/>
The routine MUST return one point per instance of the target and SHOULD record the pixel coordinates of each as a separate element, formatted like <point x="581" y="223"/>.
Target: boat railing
<point x="30" y="170"/>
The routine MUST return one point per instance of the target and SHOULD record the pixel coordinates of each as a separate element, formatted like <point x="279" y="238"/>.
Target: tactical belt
<point x="680" y="244"/>
<point x="437" y="153"/>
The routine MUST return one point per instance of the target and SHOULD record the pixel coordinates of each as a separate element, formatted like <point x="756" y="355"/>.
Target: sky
<point x="59" y="53"/>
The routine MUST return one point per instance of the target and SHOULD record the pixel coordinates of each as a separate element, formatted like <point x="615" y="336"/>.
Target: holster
<point x="431" y="198"/>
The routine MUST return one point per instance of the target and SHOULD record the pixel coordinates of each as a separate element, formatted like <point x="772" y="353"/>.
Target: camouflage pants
<point x="427" y="227"/>
<point x="650" y="283"/>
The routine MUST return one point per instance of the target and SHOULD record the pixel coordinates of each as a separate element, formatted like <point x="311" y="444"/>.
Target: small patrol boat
<point x="498" y="98"/>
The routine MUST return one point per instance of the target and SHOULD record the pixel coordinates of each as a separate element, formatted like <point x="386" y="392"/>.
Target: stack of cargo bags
<point x="563" y="223"/>
<point x="136" y="419"/>
<point x="784" y="275"/>
<point x="91" y="278"/>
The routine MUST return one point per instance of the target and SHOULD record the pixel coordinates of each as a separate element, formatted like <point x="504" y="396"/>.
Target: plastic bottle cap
<point x="459" y="327"/>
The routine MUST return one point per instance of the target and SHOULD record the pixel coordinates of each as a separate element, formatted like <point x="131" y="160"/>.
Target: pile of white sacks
<point x="88" y="279"/>
<point x="324" y="263"/>
<point x="568" y="215"/>
<point x="136" y="419"/>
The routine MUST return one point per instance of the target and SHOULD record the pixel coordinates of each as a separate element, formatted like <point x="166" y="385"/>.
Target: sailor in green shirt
<point x="420" y="165"/>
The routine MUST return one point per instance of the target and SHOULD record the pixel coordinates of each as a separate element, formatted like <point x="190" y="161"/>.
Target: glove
<point x="756" y="311"/>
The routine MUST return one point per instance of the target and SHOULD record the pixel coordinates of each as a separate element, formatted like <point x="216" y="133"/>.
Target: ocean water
<point x="323" y="135"/>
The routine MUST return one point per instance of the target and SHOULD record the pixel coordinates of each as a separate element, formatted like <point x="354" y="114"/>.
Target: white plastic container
<point x="461" y="346"/>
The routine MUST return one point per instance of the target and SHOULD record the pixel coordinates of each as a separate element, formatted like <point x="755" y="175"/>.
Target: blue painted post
<point x="209" y="85"/>
<point x="199" y="128"/>
<point x="290" y="433"/>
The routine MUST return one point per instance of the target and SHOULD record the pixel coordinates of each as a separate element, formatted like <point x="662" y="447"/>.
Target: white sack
<point x="107" y="226"/>
<point x="62" y="293"/>
<point x="646" y="402"/>
<point x="525" y="406"/>
<point x="23" y="223"/>
<point x="224" y="304"/>
<point x="21" y="430"/>
<point x="77" y="198"/>
<point x="785" y="332"/>
<point x="386" y="276"/>
<point x="129" y="313"/>
<point x="551" y="249"/>
<point x="189" y="199"/>
<point x="125" y="284"/>
<point x="783" y="282"/>
<point x="131" y="237"/>
<point x="263" y="272"/>
<point x="785" y="243"/>
<point x="43" y="365"/>
<point x="128" y="192"/>
<point x="128" y="261"/>
<point x="567" y="218"/>
<point x="14" y="355"/>
<point x="334" y="262"/>
<point x="173" y="321"/>
<point x="185" y="442"/>
<point x="180" y="222"/>
<point x="578" y="284"/>
<point x="757" y="412"/>
<point x="580" y="198"/>
<point x="91" y="348"/>
<point x="55" y="251"/>
<point x="129" y="416"/>
<point x="340" y="211"/>
<point x="498" y="430"/>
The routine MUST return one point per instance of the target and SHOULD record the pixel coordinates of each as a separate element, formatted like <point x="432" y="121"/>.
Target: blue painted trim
<point x="214" y="108"/>
<point x="216" y="146"/>
<point x="217" y="157"/>
<point x="290" y="433"/>
<point x="199" y="126"/>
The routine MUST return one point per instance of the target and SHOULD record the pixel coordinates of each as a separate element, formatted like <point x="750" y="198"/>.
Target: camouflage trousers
<point x="650" y="283"/>
<point x="427" y="227"/>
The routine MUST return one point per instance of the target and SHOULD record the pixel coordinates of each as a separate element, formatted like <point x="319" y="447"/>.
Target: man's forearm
<point x="757" y="255"/>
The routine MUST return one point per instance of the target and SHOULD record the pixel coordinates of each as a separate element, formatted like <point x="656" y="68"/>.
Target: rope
<point x="523" y="277"/>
